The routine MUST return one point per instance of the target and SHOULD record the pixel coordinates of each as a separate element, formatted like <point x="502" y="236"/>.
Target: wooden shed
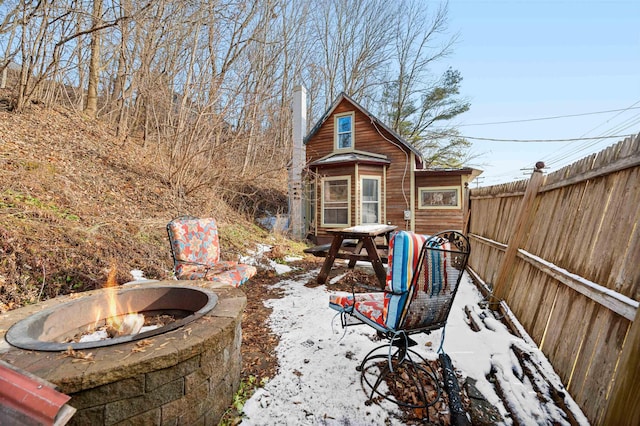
<point x="359" y="171"/>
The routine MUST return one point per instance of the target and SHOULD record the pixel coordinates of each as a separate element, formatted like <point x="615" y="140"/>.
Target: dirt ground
<point x="258" y="342"/>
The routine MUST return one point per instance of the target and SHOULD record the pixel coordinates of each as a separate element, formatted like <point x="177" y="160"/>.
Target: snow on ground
<point x="318" y="383"/>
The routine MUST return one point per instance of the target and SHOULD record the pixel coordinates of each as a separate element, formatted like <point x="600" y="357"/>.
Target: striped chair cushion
<point x="433" y="292"/>
<point x="382" y="310"/>
<point x="404" y="253"/>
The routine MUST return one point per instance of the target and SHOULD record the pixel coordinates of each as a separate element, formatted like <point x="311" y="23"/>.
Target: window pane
<point x="370" y="204"/>
<point x="338" y="216"/>
<point x="344" y="140"/>
<point x="344" y="132"/>
<point x="335" y="190"/>
<point x="369" y="190"/>
<point x="370" y="213"/>
<point x="336" y="201"/>
<point x="344" y="124"/>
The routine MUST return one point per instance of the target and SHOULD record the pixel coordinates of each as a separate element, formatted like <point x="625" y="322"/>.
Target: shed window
<point x="344" y="131"/>
<point x="335" y="201"/>
<point x="370" y="201"/>
<point x="439" y="197"/>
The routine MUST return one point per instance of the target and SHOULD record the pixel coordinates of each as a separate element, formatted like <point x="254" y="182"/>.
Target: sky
<point x="531" y="59"/>
<point x="317" y="382"/>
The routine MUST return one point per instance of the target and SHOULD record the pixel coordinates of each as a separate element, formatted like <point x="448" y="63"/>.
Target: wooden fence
<point x="563" y="252"/>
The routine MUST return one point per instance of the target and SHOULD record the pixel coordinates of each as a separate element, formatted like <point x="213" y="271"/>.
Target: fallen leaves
<point x="78" y="355"/>
<point x="142" y="345"/>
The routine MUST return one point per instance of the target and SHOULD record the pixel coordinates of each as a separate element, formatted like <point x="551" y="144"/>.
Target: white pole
<point x="297" y="162"/>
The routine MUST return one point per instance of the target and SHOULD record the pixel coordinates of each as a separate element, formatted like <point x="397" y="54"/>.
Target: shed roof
<point x="444" y="170"/>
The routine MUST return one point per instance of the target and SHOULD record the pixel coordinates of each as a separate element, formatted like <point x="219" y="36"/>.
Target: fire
<point x="117" y="324"/>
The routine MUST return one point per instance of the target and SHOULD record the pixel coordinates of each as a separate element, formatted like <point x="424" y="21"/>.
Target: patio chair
<point x="195" y="248"/>
<point x="422" y="281"/>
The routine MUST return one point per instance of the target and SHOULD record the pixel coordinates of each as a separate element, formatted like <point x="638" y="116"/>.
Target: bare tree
<point x="353" y="38"/>
<point x="209" y="82"/>
<point x="413" y="99"/>
<point x="8" y="26"/>
<point x="94" y="64"/>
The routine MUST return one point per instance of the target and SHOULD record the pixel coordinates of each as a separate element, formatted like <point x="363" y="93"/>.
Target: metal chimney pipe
<point x="296" y="207"/>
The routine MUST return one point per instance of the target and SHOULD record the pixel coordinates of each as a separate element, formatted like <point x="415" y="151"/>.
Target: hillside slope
<point x="75" y="202"/>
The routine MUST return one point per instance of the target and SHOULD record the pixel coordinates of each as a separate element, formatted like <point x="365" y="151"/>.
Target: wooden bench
<point x="323" y="250"/>
<point x="348" y="251"/>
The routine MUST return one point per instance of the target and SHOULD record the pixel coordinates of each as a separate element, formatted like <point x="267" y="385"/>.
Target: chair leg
<point x="397" y="364"/>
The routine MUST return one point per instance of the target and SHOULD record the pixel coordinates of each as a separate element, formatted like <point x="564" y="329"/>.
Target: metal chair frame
<point x="397" y="353"/>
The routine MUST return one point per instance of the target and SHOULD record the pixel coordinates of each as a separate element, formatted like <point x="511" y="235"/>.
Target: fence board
<point x="542" y="293"/>
<point x="575" y="283"/>
<point x="560" y="347"/>
<point x="624" y="408"/>
<point x="601" y="358"/>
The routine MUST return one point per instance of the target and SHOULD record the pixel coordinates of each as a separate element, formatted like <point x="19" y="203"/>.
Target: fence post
<point x="502" y="284"/>
<point x="466" y="199"/>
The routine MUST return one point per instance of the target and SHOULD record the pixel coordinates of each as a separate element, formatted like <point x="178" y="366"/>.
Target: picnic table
<point x="364" y="237"/>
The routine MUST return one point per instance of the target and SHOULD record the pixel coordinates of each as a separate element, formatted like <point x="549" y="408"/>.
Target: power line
<point x="620" y="113"/>
<point x="538" y="140"/>
<point x="525" y="120"/>
<point x="570" y="151"/>
<point x="578" y="151"/>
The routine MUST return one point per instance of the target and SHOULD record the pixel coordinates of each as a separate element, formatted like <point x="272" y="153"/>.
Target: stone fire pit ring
<point x="183" y="376"/>
<point x="46" y="330"/>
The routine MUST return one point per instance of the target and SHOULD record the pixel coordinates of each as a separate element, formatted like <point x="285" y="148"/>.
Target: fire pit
<point x="52" y="329"/>
<point x="184" y="373"/>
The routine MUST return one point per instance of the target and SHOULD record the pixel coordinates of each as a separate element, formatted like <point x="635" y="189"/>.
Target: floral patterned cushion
<point x="196" y="252"/>
<point x="342" y="301"/>
<point x="225" y="272"/>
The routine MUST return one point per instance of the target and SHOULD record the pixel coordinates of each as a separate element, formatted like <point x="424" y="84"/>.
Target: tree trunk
<point x="94" y="65"/>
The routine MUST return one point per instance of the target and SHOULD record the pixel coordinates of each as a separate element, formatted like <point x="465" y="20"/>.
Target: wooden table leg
<point x="331" y="256"/>
<point x="358" y="249"/>
<point x="376" y="262"/>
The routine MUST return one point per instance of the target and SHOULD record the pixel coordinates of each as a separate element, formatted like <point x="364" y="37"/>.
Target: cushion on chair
<point x="195" y="246"/>
<point x="433" y="290"/>
<point x="343" y="301"/>
<point x="369" y="307"/>
<point x="195" y="241"/>
<point x="404" y="253"/>
<point x="382" y="310"/>
<point x="225" y="272"/>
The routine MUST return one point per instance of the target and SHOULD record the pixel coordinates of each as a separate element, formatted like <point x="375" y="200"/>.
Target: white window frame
<point x="336" y="133"/>
<point x="435" y="190"/>
<point x="378" y="201"/>
<point x="322" y="199"/>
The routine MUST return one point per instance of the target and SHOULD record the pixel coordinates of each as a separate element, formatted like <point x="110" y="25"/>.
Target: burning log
<point x="130" y="324"/>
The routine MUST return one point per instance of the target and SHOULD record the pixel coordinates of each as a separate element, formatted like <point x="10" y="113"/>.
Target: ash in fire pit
<point x="120" y="313"/>
<point x="132" y="323"/>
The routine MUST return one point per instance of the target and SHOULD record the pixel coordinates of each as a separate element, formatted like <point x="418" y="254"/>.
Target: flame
<point x="116" y="323"/>
<point x="112" y="304"/>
